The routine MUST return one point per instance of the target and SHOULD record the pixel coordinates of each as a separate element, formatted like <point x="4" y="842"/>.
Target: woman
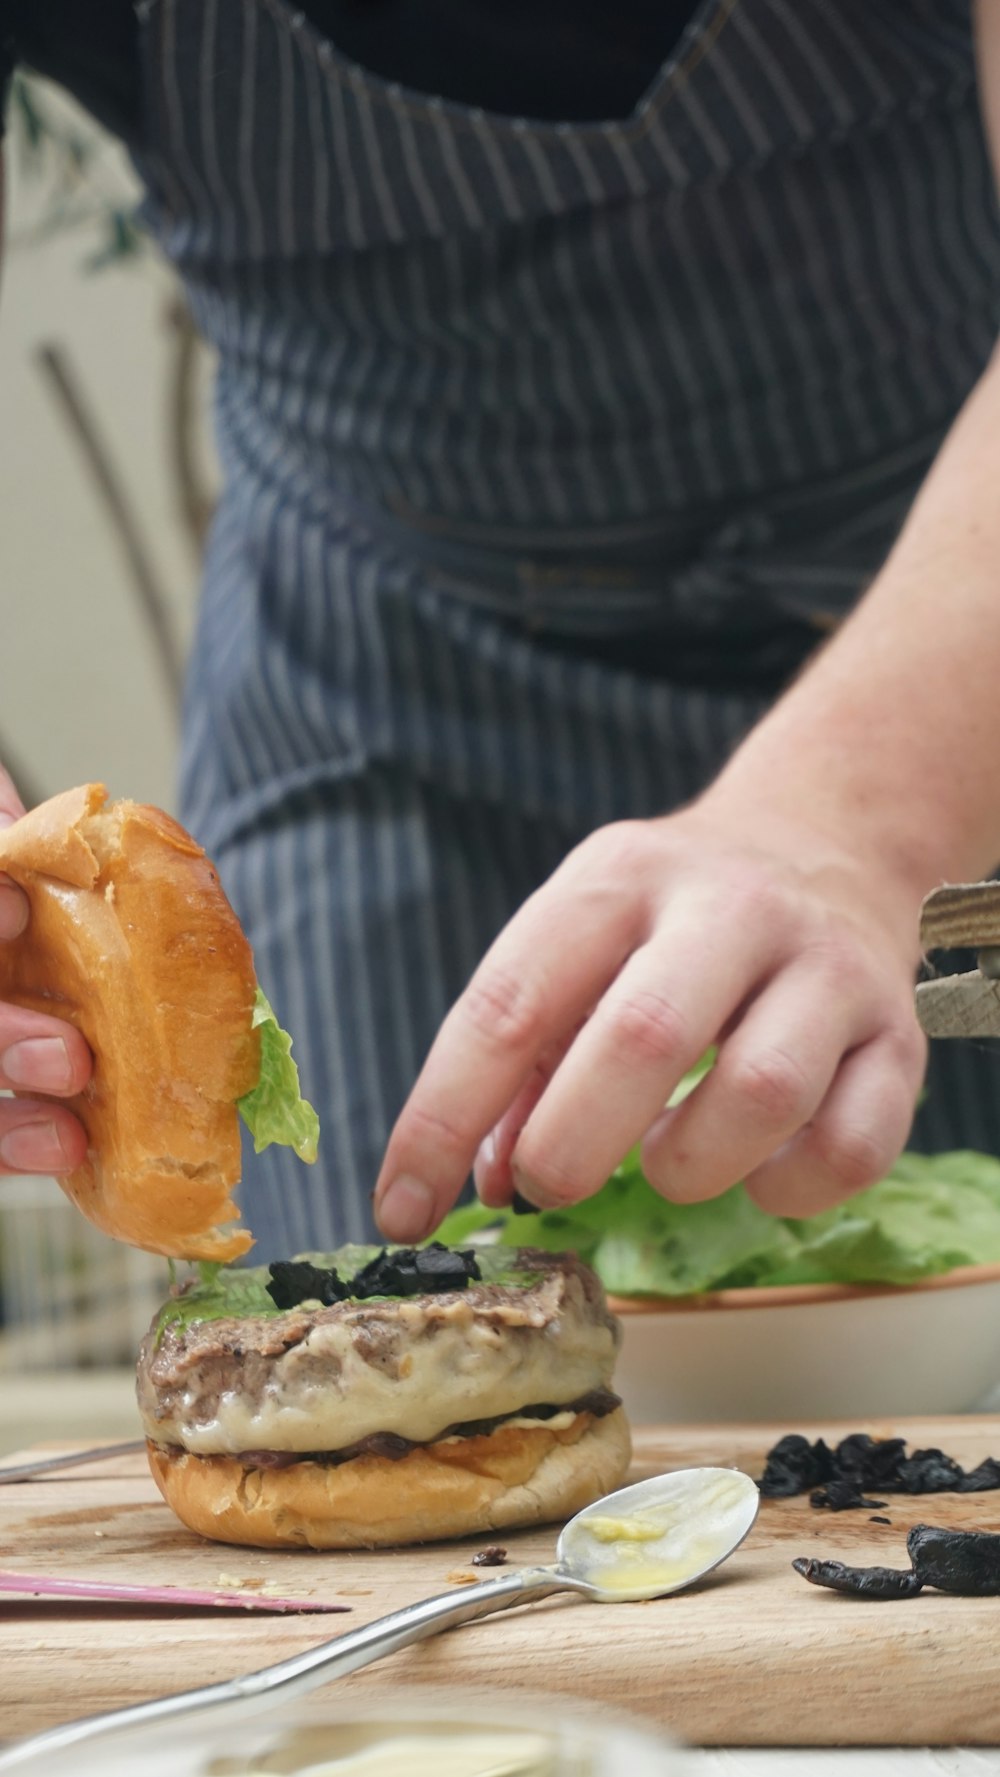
<point x="578" y="368"/>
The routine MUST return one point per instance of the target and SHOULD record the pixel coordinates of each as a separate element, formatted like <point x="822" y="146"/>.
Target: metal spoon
<point x="642" y="1542"/>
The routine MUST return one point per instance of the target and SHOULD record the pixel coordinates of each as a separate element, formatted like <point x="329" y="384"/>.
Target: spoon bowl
<point x="658" y="1536"/>
<point x="642" y="1542"/>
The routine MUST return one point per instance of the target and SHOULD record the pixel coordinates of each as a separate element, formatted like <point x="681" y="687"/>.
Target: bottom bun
<point x="516" y="1475"/>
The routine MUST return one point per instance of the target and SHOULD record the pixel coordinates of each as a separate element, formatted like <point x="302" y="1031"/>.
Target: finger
<point x="854" y="1138"/>
<point x="541" y="977"/>
<point x="492" y="1170"/>
<point x="11" y="805"/>
<point x="773" y="1073"/>
<point x="652" y="1025"/>
<point x="39" y="1137"/>
<point x="41" y="1054"/>
<point x="13" y="901"/>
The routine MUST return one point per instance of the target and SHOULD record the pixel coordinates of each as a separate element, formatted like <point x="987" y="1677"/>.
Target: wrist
<point x="884" y="849"/>
<point x="852" y="756"/>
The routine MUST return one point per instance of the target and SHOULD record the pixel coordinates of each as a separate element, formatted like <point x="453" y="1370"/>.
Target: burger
<point x="131" y="939"/>
<point x="382" y="1396"/>
<point x="358" y="1398"/>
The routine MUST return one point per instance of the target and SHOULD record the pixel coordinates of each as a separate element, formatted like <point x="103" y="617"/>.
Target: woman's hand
<point x="723" y="924"/>
<point x="38" y="1055"/>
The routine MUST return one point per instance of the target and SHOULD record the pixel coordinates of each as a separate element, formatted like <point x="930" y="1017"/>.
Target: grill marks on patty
<point x="599" y="1403"/>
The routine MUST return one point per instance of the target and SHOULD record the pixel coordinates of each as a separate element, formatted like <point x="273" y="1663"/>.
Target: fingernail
<point x="39" y="1062"/>
<point x="406" y="1210"/>
<point x="33" y="1147"/>
<point x="487" y="1155"/>
<point x="484" y="1164"/>
<point x="528" y="1196"/>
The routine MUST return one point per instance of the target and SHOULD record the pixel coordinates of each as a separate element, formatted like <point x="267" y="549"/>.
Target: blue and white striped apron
<point x="550" y="450"/>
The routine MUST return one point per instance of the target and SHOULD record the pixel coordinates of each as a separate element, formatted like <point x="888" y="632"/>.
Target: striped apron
<point x="550" y="451"/>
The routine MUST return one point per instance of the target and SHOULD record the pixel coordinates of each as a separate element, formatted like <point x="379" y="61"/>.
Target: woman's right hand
<point x="42" y="1059"/>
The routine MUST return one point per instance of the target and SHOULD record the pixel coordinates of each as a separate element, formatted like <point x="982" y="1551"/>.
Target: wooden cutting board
<point x="753" y="1656"/>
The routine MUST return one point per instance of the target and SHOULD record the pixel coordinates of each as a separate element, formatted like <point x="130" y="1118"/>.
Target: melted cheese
<point x="325" y="1394"/>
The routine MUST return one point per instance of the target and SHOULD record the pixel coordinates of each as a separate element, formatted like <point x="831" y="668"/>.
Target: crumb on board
<point x="492" y="1556"/>
<point x="462" y="1576"/>
<point x="231" y="1582"/>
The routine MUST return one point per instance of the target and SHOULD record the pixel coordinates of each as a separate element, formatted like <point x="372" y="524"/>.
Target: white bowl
<point x="812" y="1351"/>
<point x="465" y="1736"/>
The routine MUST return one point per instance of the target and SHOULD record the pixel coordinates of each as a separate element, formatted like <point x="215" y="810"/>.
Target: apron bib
<point x="550" y="451"/>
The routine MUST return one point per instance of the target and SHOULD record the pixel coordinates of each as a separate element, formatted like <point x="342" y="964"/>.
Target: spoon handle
<point x="314" y="1666"/>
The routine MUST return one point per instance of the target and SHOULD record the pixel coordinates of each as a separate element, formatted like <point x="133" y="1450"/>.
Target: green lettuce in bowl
<point x="729" y="1314"/>
<point x="931" y="1214"/>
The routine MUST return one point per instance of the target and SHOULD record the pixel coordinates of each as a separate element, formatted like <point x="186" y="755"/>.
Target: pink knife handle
<point x="47" y="1586"/>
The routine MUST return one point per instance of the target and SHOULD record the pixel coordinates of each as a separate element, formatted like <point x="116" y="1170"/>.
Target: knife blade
<point x="43" y="1465"/>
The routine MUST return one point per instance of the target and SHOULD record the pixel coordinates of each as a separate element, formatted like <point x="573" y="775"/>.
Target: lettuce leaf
<point x="275" y="1110"/>
<point x="641" y="1245"/>
<point x="930" y="1214"/>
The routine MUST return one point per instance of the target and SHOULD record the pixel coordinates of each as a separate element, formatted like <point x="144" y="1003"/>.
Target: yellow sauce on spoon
<point x="663" y="1545"/>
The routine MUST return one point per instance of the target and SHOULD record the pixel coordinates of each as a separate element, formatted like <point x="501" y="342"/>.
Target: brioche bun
<point x="461" y="1486"/>
<point x="132" y="940"/>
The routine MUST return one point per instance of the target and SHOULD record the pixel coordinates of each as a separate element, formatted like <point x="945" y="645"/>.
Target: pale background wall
<point x="81" y="697"/>
<point x="80" y="694"/>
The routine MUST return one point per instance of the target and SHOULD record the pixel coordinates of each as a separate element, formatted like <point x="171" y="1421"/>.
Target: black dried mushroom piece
<point x="794" y="1465"/>
<point x="858" y="1582"/>
<point x="871" y="1465"/>
<point x="930" y="1471"/>
<point x="966" y="1562"/>
<point x="297" y="1280"/>
<point x="843" y="1496"/>
<point x="983" y="1478"/>
<point x="872" y="1462"/>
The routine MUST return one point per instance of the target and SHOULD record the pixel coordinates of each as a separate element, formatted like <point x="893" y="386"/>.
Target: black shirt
<point x="574" y="59"/>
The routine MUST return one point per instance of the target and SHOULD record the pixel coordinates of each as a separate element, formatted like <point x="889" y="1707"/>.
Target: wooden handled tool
<point x="959" y="917"/>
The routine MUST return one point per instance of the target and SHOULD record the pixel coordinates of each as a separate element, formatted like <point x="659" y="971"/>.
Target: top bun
<point x="133" y="941"/>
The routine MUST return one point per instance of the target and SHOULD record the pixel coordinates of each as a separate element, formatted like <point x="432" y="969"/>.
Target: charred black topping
<point x="403" y="1271"/>
<point x="859" y="1582"/>
<point x="297" y="1280"/>
<point x="795" y="1465"/>
<point x="599" y="1402"/>
<point x="966" y="1562"/>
